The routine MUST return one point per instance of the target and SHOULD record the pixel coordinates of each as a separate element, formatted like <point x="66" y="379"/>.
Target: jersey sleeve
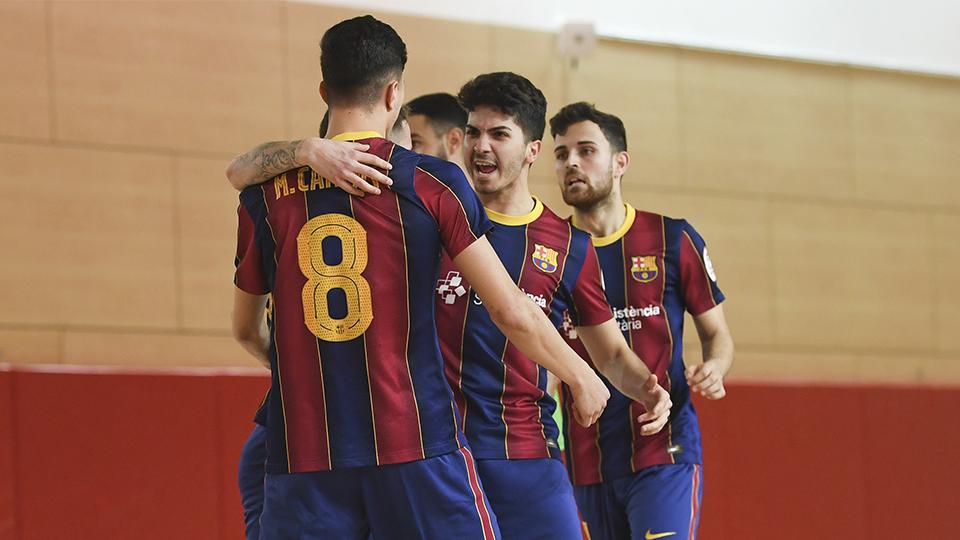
<point x="589" y="300"/>
<point x="697" y="276"/>
<point x="451" y="201"/>
<point x="249" y="276"/>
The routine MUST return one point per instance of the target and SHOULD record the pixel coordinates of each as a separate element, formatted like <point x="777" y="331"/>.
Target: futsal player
<point x="501" y="393"/>
<point x="253" y="456"/>
<point x="655" y="268"/>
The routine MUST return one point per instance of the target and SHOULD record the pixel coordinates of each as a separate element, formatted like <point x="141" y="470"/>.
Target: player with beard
<point x="500" y="392"/>
<point x="655" y="268"/>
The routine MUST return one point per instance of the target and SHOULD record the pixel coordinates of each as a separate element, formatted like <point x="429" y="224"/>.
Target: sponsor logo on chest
<point x="452" y="287"/>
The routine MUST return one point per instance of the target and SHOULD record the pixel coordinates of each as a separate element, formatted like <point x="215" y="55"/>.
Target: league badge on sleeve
<point x="643" y="268"/>
<point x="545" y="258"/>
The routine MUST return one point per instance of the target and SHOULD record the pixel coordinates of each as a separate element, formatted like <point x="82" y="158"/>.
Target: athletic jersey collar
<point x="530" y="217"/>
<point x="600" y="241"/>
<point x="356" y="135"/>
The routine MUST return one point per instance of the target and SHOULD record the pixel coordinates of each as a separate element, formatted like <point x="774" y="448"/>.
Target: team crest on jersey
<point x="545" y="258"/>
<point x="644" y="268"/>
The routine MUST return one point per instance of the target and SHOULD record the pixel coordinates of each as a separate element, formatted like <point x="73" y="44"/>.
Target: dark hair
<point x="357" y="57"/>
<point x="610" y="125"/>
<point x="442" y="110"/>
<point x="511" y="94"/>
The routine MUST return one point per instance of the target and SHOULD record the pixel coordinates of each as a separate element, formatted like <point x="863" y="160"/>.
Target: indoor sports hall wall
<point x="829" y="196"/>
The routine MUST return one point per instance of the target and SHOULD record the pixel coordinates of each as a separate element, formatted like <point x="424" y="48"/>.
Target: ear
<point x="394" y="96"/>
<point x="533" y="150"/>
<point x="453" y="141"/>
<point x="621" y="161"/>
<point x="323" y="93"/>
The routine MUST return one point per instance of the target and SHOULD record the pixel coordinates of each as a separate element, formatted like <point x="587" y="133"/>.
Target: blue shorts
<point x="251" y="472"/>
<point x="438" y="497"/>
<point x="662" y="501"/>
<point x="532" y="498"/>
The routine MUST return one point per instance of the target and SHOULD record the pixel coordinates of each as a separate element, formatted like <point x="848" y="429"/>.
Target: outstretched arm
<point x="627" y="372"/>
<point x="346" y="164"/>
<point x="717" y="344"/>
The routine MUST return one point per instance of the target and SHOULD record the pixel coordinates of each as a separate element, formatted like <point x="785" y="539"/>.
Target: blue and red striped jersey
<point x="500" y="393"/>
<point x="357" y="375"/>
<point x="654" y="268"/>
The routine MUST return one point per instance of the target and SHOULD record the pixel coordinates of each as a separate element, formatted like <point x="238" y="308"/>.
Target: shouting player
<point x="501" y="392"/>
<point x="655" y="268"/>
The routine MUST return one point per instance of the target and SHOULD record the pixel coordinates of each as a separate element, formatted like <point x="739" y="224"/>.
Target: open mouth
<point x="484" y="167"/>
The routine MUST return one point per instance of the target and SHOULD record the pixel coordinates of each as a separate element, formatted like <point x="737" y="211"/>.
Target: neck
<point x="603" y="218"/>
<point x="514" y="200"/>
<point x="353" y="119"/>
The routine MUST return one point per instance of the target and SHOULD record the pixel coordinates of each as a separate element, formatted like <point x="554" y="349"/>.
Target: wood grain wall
<point x="829" y="195"/>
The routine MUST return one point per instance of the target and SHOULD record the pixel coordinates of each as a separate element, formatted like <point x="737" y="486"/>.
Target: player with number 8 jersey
<point x="371" y="358"/>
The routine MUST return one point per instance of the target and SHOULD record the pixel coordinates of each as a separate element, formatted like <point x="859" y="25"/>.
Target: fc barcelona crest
<point x="644" y="268"/>
<point x="545" y="258"/>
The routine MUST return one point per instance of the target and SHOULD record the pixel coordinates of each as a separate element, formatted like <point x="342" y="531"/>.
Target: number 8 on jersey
<point x="323" y="278"/>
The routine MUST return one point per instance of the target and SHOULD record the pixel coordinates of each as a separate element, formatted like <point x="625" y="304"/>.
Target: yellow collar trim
<point x="504" y="219"/>
<point x="600" y="241"/>
<point x="356" y="135"/>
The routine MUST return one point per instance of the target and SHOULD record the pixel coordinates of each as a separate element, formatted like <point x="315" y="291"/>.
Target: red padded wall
<point x="117" y="456"/>
<point x="145" y="456"/>
<point x="8" y="471"/>
<point x="239" y="398"/>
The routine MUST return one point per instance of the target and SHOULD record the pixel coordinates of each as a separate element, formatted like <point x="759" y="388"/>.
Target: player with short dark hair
<point x="362" y="431"/>
<point x="437" y="122"/>
<point x="655" y="269"/>
<point x="500" y="391"/>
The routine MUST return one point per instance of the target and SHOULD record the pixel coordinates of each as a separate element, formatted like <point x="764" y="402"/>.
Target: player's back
<point x="357" y="373"/>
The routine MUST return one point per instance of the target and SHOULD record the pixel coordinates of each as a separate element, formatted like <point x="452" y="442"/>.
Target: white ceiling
<point x="915" y="35"/>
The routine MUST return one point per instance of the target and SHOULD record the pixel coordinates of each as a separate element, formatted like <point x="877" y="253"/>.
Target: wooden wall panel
<point x="738" y="240"/>
<point x="794" y="367"/>
<point x="154" y="350"/>
<point x="765" y="126"/>
<point x="25" y="91"/>
<point x="442" y="55"/>
<point x="93" y="241"/>
<point x="852" y="277"/>
<point x="207" y="231"/>
<point x="184" y="75"/>
<point x="945" y="244"/>
<point x="638" y="84"/>
<point x="30" y="346"/>
<point x="906" y="135"/>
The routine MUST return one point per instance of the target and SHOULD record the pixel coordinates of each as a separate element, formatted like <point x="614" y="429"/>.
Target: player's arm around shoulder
<point x="528" y="328"/>
<point x="707" y="377"/>
<point x="346" y="164"/>
<point x="627" y="372"/>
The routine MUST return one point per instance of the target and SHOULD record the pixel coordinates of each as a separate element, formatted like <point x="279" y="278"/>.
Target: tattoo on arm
<point x="270" y="159"/>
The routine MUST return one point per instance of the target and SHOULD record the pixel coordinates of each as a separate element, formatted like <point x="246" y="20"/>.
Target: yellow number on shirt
<point x="323" y="278"/>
